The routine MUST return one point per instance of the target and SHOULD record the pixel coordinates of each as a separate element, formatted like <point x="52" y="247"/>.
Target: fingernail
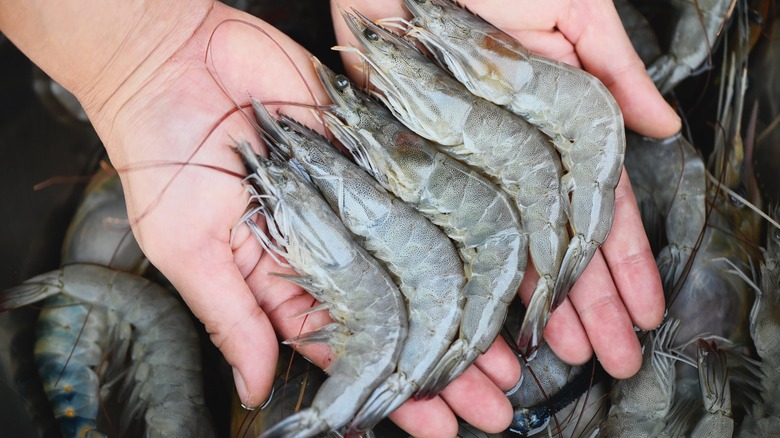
<point x="243" y="391"/>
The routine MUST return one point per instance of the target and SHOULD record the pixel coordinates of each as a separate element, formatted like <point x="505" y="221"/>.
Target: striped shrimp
<point x="370" y="322"/>
<point x="677" y="191"/>
<point x="418" y="253"/>
<point x="517" y="155"/>
<point x="472" y="211"/>
<point x="162" y="385"/>
<point x="696" y="26"/>
<point x="568" y="104"/>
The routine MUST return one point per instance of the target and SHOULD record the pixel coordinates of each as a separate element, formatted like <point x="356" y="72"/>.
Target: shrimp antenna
<point x="209" y="55"/>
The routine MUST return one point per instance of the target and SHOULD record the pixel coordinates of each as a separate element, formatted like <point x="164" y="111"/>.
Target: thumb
<point x="607" y="53"/>
<point x="217" y="294"/>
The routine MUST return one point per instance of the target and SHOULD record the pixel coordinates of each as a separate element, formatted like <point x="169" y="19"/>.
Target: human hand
<point x="599" y="314"/>
<point x="154" y="114"/>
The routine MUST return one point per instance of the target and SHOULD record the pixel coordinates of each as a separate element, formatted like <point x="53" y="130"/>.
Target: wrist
<point x="96" y="49"/>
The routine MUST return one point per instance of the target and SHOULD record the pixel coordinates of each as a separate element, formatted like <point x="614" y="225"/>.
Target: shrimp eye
<point x="742" y="192"/>
<point x="341" y="82"/>
<point x="370" y="34"/>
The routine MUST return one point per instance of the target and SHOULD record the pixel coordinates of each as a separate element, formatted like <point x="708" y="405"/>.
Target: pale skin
<point x="139" y="71"/>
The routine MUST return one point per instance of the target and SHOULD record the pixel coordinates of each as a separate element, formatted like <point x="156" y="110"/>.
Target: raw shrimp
<point x="717" y="420"/>
<point x="641" y="403"/>
<point x="639" y="32"/>
<point x="729" y="242"/>
<point x="100" y="231"/>
<point x="764" y="417"/>
<point x="571" y="106"/>
<point x="69" y="349"/>
<point x="163" y="388"/>
<point x="517" y="155"/>
<point x="417" y="252"/>
<point x="474" y="212"/>
<point x="536" y="418"/>
<point x="696" y="28"/>
<point x="671" y="173"/>
<point x="547" y="385"/>
<point x="370" y="321"/>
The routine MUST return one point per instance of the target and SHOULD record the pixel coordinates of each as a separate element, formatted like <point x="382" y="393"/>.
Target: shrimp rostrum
<point x="370" y="321"/>
<point x="161" y="389"/>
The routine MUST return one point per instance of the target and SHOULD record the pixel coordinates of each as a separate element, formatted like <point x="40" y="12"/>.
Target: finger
<point x="500" y="365"/>
<point x="631" y="261"/>
<point x="215" y="291"/>
<point x="426" y="418"/>
<point x="473" y="397"/>
<point x="564" y="332"/>
<point x="606" y="320"/>
<point x="606" y="52"/>
<point x="566" y="336"/>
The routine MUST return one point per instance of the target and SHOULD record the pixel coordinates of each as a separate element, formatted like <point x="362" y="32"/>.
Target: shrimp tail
<point x="384" y="400"/>
<point x="536" y="316"/>
<point x="304" y="423"/>
<point x="31" y="291"/>
<point x="332" y="335"/>
<point x="577" y="257"/>
<point x="452" y="364"/>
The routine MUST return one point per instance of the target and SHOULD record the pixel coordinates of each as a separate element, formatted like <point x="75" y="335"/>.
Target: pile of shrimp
<point x="711" y="367"/>
<point x="105" y="335"/>
<point x="450" y="193"/>
<point x="416" y="242"/>
<point x="428" y="134"/>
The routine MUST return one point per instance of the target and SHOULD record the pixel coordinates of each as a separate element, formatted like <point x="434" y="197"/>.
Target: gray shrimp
<point x="26" y="411"/>
<point x="555" y="396"/>
<point x="697" y="26"/>
<point x="100" y="230"/>
<point x="473" y="211"/>
<point x="418" y="253"/>
<point x="717" y="419"/>
<point x="517" y="155"/>
<point x="763" y="418"/>
<point x="640" y="33"/>
<point x="161" y="388"/>
<point x="671" y="174"/>
<point x="370" y="320"/>
<point x="641" y="403"/>
<point x="569" y="105"/>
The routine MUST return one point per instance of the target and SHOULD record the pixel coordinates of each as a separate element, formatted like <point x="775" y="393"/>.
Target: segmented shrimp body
<point x="370" y="320"/>
<point x="641" y="403"/>
<point x="520" y="158"/>
<point x="418" y="253"/>
<point x="569" y="105"/>
<point x="473" y="211"/>
<point x="162" y="389"/>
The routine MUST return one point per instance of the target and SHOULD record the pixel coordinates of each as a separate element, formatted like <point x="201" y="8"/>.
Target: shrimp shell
<point x="163" y="388"/>
<point x="370" y="322"/>
<point x="484" y="135"/>
<point x="423" y="259"/>
<point x="568" y="104"/>
<point x="472" y="211"/>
